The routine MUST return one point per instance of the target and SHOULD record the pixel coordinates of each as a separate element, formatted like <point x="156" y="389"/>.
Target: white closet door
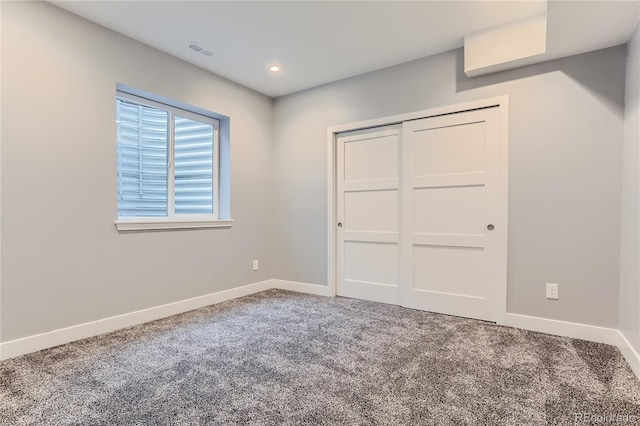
<point x="368" y="214"/>
<point x="451" y="235"/>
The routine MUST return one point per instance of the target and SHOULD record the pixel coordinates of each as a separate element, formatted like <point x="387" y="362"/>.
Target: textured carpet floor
<point x="284" y="358"/>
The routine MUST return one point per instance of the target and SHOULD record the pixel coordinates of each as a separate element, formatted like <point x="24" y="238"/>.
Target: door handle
<point x="339" y="224"/>
<point x="490" y="227"/>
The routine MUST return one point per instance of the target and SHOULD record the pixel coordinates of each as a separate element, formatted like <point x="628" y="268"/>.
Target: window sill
<point x="164" y="223"/>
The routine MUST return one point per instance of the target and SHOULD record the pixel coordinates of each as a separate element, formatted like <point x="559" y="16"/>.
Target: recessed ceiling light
<point x="275" y="68"/>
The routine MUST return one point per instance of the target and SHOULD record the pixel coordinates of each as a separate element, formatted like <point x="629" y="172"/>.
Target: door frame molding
<point x="501" y="102"/>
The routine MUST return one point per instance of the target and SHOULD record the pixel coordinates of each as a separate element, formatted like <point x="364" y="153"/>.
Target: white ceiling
<point x="316" y="42"/>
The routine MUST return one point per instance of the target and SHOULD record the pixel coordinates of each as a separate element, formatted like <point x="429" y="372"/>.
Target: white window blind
<point x="166" y="161"/>
<point x="142" y="160"/>
<point x="193" y="167"/>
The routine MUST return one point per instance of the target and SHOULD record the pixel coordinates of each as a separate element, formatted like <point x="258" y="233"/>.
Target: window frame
<point x="173" y="220"/>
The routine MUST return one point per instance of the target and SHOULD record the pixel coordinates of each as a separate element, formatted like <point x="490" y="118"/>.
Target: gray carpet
<point x="285" y="358"/>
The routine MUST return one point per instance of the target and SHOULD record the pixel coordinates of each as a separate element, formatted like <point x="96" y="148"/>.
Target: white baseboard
<point x="592" y="333"/>
<point x="563" y="328"/>
<point x="53" y="338"/>
<point x="630" y="354"/>
<point x="320" y="290"/>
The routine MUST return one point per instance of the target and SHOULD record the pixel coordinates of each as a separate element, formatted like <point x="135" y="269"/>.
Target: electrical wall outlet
<point x="256" y="265"/>
<point x="552" y="291"/>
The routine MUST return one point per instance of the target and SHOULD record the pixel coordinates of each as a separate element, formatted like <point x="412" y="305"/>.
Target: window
<point x="168" y="162"/>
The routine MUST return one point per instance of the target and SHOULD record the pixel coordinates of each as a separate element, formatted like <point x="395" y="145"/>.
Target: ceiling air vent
<point x="195" y="46"/>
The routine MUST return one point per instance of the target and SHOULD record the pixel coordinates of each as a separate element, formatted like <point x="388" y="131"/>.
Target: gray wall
<point x="566" y="122"/>
<point x="63" y="263"/>
<point x="630" y="241"/>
